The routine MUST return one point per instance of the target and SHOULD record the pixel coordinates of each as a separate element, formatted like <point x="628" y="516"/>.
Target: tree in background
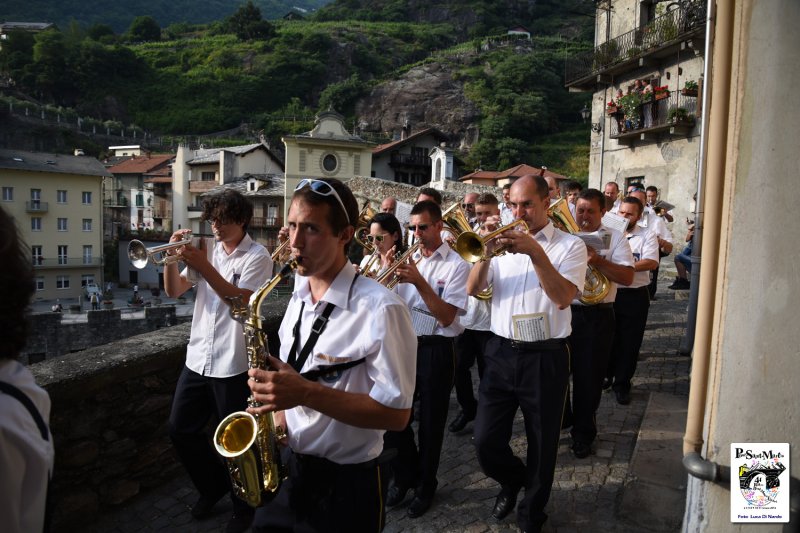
<point x="144" y="29"/>
<point x="246" y="23"/>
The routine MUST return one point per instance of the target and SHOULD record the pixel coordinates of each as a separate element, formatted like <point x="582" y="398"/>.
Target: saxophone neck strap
<point x="23" y="398"/>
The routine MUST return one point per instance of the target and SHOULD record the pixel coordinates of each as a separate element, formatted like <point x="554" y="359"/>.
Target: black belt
<point x="549" y="344"/>
<point x="320" y="463"/>
<point x="433" y="339"/>
<point x="631" y="289"/>
<point x="581" y="308"/>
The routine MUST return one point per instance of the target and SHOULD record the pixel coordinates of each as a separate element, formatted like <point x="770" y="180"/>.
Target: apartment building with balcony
<point x="138" y="196"/>
<point x="649" y="136"/>
<point x="198" y="171"/>
<point x="407" y="159"/>
<point x="57" y="202"/>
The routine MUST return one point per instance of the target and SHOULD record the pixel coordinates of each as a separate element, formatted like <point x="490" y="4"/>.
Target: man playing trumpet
<point x="527" y="360"/>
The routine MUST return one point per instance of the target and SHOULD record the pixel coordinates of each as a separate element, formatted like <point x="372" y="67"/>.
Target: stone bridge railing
<point x="110" y="406"/>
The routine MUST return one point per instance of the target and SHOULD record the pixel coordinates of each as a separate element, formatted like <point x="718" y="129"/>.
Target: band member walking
<point x="213" y="384"/>
<point x="593" y="325"/>
<point x="434" y="292"/>
<point x="345" y="375"/>
<point x="527" y="361"/>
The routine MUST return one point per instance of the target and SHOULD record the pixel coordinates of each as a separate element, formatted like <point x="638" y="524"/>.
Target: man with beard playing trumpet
<point x="527" y="360"/>
<point x="343" y="377"/>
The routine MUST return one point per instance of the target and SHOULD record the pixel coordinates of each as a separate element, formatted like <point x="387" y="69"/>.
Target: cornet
<point x="139" y="254"/>
<point x="472" y="246"/>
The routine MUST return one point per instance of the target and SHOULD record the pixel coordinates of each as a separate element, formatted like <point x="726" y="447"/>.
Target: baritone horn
<point x="139" y="255"/>
<point x="472" y="246"/>
<point x="596" y="284"/>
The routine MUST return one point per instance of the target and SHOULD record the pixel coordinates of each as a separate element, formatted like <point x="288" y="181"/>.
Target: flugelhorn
<point x="472" y="247"/>
<point x="139" y="255"/>
<point x="596" y="284"/>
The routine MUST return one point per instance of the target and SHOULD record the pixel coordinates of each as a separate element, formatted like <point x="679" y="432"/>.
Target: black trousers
<point x="630" y="312"/>
<point x="198" y="400"/>
<point x="534" y="380"/>
<point x="417" y="467"/>
<point x="590" y="348"/>
<point x="653" y="286"/>
<point x="319" y="495"/>
<point x="470" y="346"/>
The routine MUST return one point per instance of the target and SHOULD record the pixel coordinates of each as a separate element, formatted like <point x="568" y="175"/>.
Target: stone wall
<point x="110" y="406"/>
<point x="50" y="336"/>
<point x="375" y="190"/>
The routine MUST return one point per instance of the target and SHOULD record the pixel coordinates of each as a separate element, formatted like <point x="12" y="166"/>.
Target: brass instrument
<point x="282" y="252"/>
<point x="456" y="223"/>
<point x="596" y="285"/>
<point x="248" y="443"/>
<point x="472" y="246"/>
<point x="388" y="273"/>
<point x="139" y="255"/>
<point x="362" y="228"/>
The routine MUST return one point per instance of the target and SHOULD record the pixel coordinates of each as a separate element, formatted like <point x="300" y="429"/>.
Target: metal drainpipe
<point x="719" y="29"/>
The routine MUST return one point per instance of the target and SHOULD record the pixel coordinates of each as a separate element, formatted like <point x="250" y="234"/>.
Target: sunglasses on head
<point x="323" y="188"/>
<point x="375" y="238"/>
<point x="421" y="227"/>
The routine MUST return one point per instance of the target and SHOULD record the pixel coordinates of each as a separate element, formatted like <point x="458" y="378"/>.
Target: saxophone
<point x="249" y="443"/>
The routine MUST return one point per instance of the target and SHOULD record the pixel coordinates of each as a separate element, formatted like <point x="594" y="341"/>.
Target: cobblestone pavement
<point x="586" y="493"/>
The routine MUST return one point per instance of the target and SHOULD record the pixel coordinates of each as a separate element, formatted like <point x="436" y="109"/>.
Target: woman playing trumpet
<point x="386" y="238"/>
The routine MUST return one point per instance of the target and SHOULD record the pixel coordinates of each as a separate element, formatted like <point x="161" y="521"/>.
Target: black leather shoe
<point x="395" y="495"/>
<point x="203" y="506"/>
<point x="623" y="397"/>
<point x="505" y="502"/>
<point x="240" y="521"/>
<point x="419" y="506"/>
<point x="460" y="422"/>
<point x="581" y="449"/>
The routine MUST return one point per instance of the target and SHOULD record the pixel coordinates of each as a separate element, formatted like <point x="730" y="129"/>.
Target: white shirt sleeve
<point x="392" y="367"/>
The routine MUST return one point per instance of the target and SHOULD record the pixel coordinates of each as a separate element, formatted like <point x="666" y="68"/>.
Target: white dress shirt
<point x="644" y="245"/>
<point x="368" y="322"/>
<point x="216" y="344"/>
<point x="619" y="253"/>
<point x="516" y="288"/>
<point x="656" y="224"/>
<point x="506" y="214"/>
<point x="447" y="273"/>
<point x="26" y="459"/>
<point x="478" y="316"/>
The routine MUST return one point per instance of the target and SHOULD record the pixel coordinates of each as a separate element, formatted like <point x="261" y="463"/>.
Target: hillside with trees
<point x="275" y="75"/>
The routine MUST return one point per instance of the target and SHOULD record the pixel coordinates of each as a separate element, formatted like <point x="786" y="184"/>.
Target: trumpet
<point x="282" y="252"/>
<point x="389" y="272"/>
<point x="472" y="246"/>
<point x="139" y="255"/>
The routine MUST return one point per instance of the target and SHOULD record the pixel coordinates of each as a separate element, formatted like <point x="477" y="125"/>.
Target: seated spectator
<point x="683" y="263"/>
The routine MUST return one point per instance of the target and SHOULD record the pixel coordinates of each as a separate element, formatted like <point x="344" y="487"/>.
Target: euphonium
<point x="596" y="284"/>
<point x="388" y="273"/>
<point x="248" y="443"/>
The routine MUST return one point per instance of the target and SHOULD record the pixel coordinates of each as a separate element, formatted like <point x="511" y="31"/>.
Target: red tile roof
<point x="511" y="173"/>
<point x="383" y="147"/>
<point x="142" y="164"/>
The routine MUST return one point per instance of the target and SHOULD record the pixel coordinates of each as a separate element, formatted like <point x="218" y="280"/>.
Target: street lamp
<point x="585" y="113"/>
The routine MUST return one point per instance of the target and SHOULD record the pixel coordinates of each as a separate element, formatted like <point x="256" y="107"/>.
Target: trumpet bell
<point x="137" y="253"/>
<point x="472" y="247"/>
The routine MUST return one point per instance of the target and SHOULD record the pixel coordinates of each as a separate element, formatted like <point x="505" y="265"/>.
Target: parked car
<point x="92" y="288"/>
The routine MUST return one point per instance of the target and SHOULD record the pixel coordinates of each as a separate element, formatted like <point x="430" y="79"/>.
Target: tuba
<point x="596" y="284"/>
<point x="249" y="443"/>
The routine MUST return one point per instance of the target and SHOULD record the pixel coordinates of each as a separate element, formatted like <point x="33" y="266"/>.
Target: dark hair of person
<point x="426" y="206"/>
<point x="16" y="283"/>
<point x="337" y="219"/>
<point x="228" y="207"/>
<point x="634" y="201"/>
<point x="573" y="185"/>
<point x="433" y="193"/>
<point x="593" y="195"/>
<point x="487" y="198"/>
<point x="652" y="188"/>
<point x="388" y="222"/>
<point x="506" y="186"/>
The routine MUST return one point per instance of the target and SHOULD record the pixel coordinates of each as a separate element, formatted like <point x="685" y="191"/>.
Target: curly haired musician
<point x="213" y="383"/>
<point x="344" y="375"/>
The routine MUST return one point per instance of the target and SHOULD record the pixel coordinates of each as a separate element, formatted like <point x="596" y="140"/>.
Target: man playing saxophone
<point x="212" y="384"/>
<point x="527" y="360"/>
<point x="344" y="375"/>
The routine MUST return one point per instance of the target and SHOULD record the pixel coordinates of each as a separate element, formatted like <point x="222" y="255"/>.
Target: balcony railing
<point x="36" y="206"/>
<point x="266" y="222"/>
<point x="686" y="18"/>
<point x="674" y="112"/>
<point x="410" y="160"/>
<point x="66" y="262"/>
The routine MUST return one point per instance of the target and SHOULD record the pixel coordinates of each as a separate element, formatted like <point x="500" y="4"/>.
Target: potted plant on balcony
<point x="629" y="104"/>
<point x="689" y="88"/>
<point x="661" y="92"/>
<point x="679" y="115"/>
<point x="611" y="107"/>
